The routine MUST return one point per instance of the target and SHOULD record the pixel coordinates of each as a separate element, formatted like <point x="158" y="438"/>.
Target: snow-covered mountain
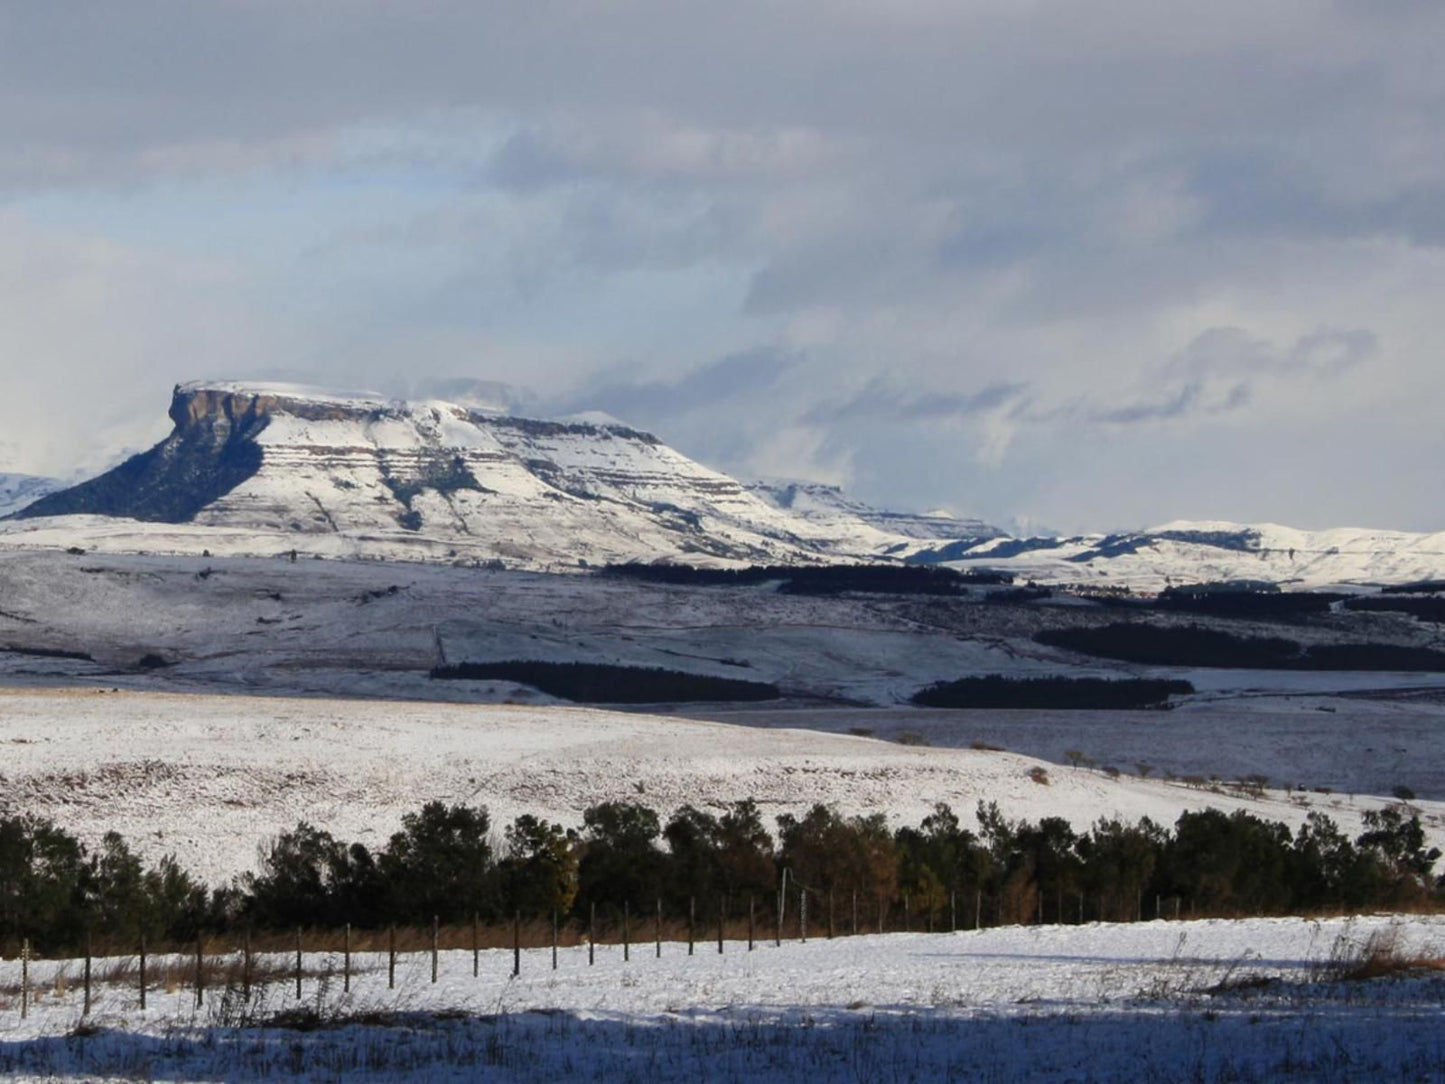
<point x="262" y="469"/>
<point x="865" y="529"/>
<point x="1210" y="551"/>
<point x="265" y="469"/>
<point x="18" y="491"/>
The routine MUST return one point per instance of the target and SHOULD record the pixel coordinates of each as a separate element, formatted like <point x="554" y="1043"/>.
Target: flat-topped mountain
<point x="353" y="474"/>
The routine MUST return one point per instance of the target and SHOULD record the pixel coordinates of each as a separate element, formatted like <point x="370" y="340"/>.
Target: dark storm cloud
<point x="707" y="386"/>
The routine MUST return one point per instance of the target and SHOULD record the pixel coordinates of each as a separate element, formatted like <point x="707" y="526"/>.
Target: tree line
<point x="447" y="864"/>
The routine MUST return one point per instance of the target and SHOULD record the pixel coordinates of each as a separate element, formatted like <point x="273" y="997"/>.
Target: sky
<point x="1059" y="265"/>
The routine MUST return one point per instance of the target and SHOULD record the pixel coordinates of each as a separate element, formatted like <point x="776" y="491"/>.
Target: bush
<point x="597" y="683"/>
<point x="1158" y="645"/>
<point x="996" y="691"/>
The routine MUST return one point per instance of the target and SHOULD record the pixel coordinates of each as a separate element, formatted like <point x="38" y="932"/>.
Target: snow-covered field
<point x="1209" y="1001"/>
<point x="147" y="765"/>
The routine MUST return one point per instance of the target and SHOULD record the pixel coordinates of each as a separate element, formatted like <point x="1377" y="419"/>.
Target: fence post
<point x="626" y="932"/>
<point x="476" y="949"/>
<point x="803" y="915"/>
<point x="142" y="971"/>
<point x="778" y="942"/>
<point x="516" y="944"/>
<point x="435" y="936"/>
<point x="1040" y="902"/>
<point x="691" y="922"/>
<point x="657" y="927"/>
<point x="86" y="1011"/>
<point x="592" y="933"/>
<point x="751" y="903"/>
<point x="391" y="957"/>
<point x="554" y="939"/>
<point x="200" y="973"/>
<point x="907" y="913"/>
<point x="978" y="909"/>
<point x="298" y="963"/>
<point x="953" y="912"/>
<point x="1081" y="908"/>
<point x="246" y="963"/>
<point x="1176" y="908"/>
<point x="855" y="912"/>
<point x="880" y="912"/>
<point x="721" y="915"/>
<point x="25" y="980"/>
<point x="830" y="914"/>
<point x="346" y="960"/>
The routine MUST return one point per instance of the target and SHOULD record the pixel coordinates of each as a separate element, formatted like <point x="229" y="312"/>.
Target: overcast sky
<point x="1079" y="265"/>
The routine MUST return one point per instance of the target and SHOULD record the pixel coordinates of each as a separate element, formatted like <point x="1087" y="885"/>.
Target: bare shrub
<point x="1039" y="775"/>
<point x="912" y="737"/>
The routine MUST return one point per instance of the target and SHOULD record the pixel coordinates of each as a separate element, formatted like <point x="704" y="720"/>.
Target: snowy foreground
<point x="1246" y="1000"/>
<point x="145" y="764"/>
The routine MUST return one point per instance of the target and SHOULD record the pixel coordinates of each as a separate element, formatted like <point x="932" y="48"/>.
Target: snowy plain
<point x="144" y="763"/>
<point x="1208" y="1001"/>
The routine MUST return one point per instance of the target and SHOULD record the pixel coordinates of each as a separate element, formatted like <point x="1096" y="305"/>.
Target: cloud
<point x="882" y="400"/>
<point x="954" y="252"/>
<point x="709" y="386"/>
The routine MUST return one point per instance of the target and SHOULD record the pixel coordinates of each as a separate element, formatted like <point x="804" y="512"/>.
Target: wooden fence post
<point x="721" y="914"/>
<point x="880" y="912"/>
<point x="657" y="927"/>
<point x="298" y="963"/>
<point x="978" y="909"/>
<point x="592" y="933"/>
<point x="25" y="980"/>
<point x="346" y="960"/>
<point x="803" y="915"/>
<point x="830" y="914"/>
<point x="516" y="944"/>
<point x="691" y="922"/>
<point x="200" y="970"/>
<point x="953" y="912"/>
<point x="246" y="963"/>
<point x="554" y="939"/>
<point x="626" y="932"/>
<point x="907" y="913"/>
<point x="435" y="936"/>
<point x="142" y="972"/>
<point x="752" y="901"/>
<point x="855" y="912"/>
<point x="476" y="949"/>
<point x="86" y="1011"/>
<point x="391" y="957"/>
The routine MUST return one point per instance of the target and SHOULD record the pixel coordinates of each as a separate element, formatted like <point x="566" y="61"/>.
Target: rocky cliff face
<point x="440" y="479"/>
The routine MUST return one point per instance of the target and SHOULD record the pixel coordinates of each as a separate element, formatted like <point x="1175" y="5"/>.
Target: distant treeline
<point x="1246" y="604"/>
<point x="996" y="691"/>
<point x="821" y="579"/>
<point x="1426" y="609"/>
<point x="447" y="863"/>
<point x="600" y="683"/>
<point x="1158" y="645"/>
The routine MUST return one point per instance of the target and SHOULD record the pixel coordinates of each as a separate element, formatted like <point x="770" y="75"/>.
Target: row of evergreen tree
<point x="447" y="863"/>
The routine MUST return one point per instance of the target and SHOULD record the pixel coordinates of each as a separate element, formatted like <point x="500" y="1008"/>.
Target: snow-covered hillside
<point x="860" y="528"/>
<point x="19" y="491"/>
<point x="1203" y="552"/>
<point x="145" y="765"/>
